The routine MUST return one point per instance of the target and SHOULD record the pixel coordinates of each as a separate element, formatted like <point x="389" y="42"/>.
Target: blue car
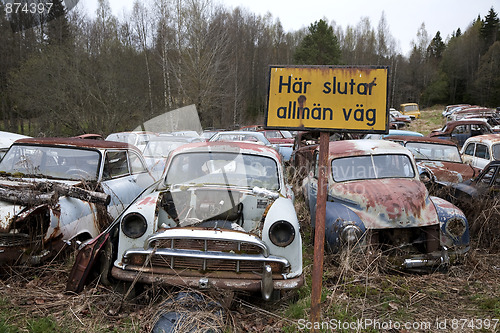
<point x="377" y="201"/>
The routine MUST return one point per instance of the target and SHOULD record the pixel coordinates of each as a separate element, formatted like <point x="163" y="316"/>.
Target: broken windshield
<point x="372" y="167"/>
<point x="434" y="152"/>
<point x="223" y="169"/>
<point x="51" y="162"/>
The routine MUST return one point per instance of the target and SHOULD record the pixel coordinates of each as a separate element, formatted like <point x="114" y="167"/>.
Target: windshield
<point x="496" y="152"/>
<point x="51" y="162"/>
<point x="372" y="167"/>
<point x="161" y="148"/>
<point x="250" y="137"/>
<point x="273" y="134"/>
<point x="411" y="107"/>
<point x="435" y="152"/>
<point x="223" y="169"/>
<point x="129" y="138"/>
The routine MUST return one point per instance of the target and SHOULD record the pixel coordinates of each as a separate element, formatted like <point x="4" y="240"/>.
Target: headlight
<point x="350" y="234"/>
<point x="282" y="233"/>
<point x="134" y="225"/>
<point x="456" y="227"/>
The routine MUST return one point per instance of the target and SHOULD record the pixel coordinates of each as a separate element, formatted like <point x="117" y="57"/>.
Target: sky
<point x="403" y="17"/>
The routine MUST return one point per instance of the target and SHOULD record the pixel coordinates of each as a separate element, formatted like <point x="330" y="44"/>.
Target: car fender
<point x="282" y="209"/>
<point x="338" y="216"/>
<point x="453" y="224"/>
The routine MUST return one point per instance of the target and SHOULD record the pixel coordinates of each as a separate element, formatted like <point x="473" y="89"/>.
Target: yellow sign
<point x="328" y="98"/>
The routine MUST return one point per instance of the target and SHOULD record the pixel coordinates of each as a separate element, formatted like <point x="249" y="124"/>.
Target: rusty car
<point x="223" y="217"/>
<point x="476" y="193"/>
<point x="376" y="202"/>
<point x="57" y="190"/>
<point x="460" y="130"/>
<point x="480" y="150"/>
<point x="437" y="159"/>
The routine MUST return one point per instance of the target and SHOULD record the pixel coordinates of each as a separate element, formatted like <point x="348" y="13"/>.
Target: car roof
<point x="404" y="132"/>
<point x="75" y="142"/>
<point x="468" y="121"/>
<point x="7" y="138"/>
<point x="485" y="138"/>
<point x="407" y="138"/>
<point x="227" y="146"/>
<point x="345" y="148"/>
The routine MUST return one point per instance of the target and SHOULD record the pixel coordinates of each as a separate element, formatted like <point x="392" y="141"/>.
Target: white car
<point x="7" y="139"/>
<point x="222" y="218"/>
<point x="157" y="150"/>
<point x="136" y="138"/>
<point x="480" y="150"/>
<point x="56" y="190"/>
<point x="396" y="114"/>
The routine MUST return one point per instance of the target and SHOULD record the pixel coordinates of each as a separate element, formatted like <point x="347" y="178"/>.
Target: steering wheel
<point x="76" y="173"/>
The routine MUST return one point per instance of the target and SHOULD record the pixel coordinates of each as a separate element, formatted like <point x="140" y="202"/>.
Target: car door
<point x="460" y="134"/>
<point x="120" y="181"/>
<point x="481" y="156"/>
<point x="468" y="153"/>
<point x="488" y="183"/>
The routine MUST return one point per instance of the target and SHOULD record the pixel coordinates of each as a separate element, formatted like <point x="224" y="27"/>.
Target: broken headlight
<point x="282" y="233"/>
<point x="456" y="227"/>
<point x="134" y="225"/>
<point x="350" y="234"/>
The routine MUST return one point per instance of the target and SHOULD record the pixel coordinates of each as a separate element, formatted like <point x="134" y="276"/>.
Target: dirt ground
<point x="464" y="299"/>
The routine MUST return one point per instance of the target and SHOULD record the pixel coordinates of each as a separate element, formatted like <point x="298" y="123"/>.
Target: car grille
<point x="12" y="240"/>
<point x="200" y="264"/>
<point x="417" y="240"/>
<point x="204" y="251"/>
<point x="207" y="245"/>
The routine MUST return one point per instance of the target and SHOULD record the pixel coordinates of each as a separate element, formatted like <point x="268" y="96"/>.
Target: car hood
<point x="448" y="171"/>
<point x="281" y="141"/>
<point x="387" y="203"/>
<point x="19" y="197"/>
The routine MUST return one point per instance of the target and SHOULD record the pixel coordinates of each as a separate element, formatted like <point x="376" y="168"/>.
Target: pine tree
<point x="436" y="47"/>
<point x="319" y="47"/>
<point x="58" y="27"/>
<point x="489" y="29"/>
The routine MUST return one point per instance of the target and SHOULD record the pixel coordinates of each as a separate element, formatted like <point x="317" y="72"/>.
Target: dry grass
<point x="356" y="287"/>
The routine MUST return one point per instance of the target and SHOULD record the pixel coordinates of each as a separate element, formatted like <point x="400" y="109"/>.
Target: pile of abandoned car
<point x="217" y="211"/>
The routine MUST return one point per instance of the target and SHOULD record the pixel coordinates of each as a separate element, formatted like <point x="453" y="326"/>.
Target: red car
<point x="460" y="130"/>
<point x="437" y="160"/>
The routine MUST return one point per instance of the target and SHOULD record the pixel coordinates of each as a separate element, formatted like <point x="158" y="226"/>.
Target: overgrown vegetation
<point x="356" y="288"/>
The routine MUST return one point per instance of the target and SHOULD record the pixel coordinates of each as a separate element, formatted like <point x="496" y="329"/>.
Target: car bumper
<point x="266" y="282"/>
<point x="443" y="258"/>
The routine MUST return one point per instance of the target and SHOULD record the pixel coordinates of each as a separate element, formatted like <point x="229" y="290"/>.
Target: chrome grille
<point x="200" y="264"/>
<point x="207" y="245"/>
<point x="11" y="240"/>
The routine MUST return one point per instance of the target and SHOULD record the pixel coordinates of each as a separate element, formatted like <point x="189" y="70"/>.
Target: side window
<point x="469" y="150"/>
<point x="482" y="151"/>
<point x="136" y="164"/>
<point x="460" y="129"/>
<point x="484" y="130"/>
<point x="488" y="175"/>
<point x="115" y="165"/>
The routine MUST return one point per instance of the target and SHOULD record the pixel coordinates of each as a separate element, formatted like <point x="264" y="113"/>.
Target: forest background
<point x="77" y="74"/>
